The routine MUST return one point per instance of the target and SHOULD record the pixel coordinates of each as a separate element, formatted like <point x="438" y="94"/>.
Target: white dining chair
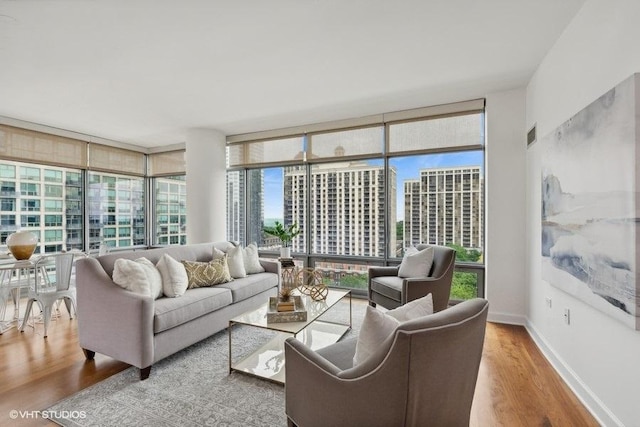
<point x="47" y="290"/>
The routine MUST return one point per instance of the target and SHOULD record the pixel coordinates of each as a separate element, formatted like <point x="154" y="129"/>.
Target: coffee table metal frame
<point x="267" y="361"/>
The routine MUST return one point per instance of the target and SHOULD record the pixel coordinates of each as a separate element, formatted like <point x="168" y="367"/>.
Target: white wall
<point x="505" y="179"/>
<point x="206" y="186"/>
<point x="598" y="356"/>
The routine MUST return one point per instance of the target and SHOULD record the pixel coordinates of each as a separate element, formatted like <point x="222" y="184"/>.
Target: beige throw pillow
<point x="414" y="309"/>
<point x="416" y="263"/>
<point x="235" y="261"/>
<point x="139" y="276"/>
<point x="203" y="274"/>
<point x="251" y="261"/>
<point x="376" y="327"/>
<point x="174" y="276"/>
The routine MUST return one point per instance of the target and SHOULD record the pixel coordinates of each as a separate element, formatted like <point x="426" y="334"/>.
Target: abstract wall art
<point x="590" y="204"/>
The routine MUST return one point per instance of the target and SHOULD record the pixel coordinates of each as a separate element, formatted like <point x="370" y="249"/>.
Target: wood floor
<point x="516" y="385"/>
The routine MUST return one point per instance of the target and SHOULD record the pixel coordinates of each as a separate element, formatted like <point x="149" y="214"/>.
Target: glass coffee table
<point x="267" y="361"/>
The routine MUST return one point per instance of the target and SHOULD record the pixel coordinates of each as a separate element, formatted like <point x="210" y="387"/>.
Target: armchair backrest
<point x="434" y="361"/>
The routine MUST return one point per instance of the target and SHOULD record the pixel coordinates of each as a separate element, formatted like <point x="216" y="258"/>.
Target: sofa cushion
<point x="171" y="312"/>
<point x="249" y="286"/>
<point x="389" y="286"/>
<point x="203" y="274"/>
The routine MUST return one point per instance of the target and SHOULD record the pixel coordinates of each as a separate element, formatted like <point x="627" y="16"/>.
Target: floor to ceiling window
<point x="363" y="193"/>
<point x="47" y="200"/>
<point x="74" y="194"/>
<point x="168" y="197"/>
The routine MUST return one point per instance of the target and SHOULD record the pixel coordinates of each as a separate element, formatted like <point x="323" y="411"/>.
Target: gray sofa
<point x="140" y="330"/>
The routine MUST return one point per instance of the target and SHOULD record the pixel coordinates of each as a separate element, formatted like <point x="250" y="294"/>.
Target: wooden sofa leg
<point x="372" y="304"/>
<point x="88" y="354"/>
<point x="145" y="372"/>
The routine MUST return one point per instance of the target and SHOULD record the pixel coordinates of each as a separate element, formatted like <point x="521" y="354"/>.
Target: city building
<point x="347" y="207"/>
<point x="48" y="201"/>
<point x="239" y="193"/>
<point x="445" y="206"/>
<point x="171" y="210"/>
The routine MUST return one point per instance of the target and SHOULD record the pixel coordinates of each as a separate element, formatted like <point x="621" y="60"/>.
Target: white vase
<point x="285" y="252"/>
<point x="21" y="244"/>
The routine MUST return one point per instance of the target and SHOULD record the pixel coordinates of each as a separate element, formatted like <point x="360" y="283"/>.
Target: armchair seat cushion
<point x="341" y="353"/>
<point x="172" y="312"/>
<point x="388" y="286"/>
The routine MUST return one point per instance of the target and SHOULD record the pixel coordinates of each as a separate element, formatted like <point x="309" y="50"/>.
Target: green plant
<point x="284" y="233"/>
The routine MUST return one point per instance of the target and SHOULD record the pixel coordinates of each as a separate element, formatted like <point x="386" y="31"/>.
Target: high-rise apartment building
<point x="347" y="207"/>
<point x="44" y="200"/>
<point x="116" y="210"/>
<point x="445" y="206"/>
<point x="237" y="194"/>
<point x="171" y="210"/>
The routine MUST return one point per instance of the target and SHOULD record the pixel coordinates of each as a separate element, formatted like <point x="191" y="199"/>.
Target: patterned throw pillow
<point x="203" y="274"/>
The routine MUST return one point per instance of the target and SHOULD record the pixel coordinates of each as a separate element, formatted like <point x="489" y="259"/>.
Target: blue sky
<point x="406" y="168"/>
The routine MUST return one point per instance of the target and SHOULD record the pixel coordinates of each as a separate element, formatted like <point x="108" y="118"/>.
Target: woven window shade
<point x="31" y="146"/>
<point x="346" y="143"/>
<point x="169" y="163"/>
<point x="264" y="152"/>
<point x="112" y="159"/>
<point x="465" y="130"/>
<point x="434" y="128"/>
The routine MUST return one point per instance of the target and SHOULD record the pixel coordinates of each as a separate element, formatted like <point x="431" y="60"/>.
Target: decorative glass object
<point x="21" y="244"/>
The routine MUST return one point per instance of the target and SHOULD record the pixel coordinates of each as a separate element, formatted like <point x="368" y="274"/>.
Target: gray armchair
<point x="424" y="374"/>
<point x="391" y="291"/>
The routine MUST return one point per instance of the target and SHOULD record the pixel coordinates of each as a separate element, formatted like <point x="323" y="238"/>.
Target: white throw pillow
<point x="174" y="276"/>
<point x="139" y="276"/>
<point x="251" y="261"/>
<point x="218" y="254"/>
<point x="414" y="309"/>
<point x="235" y="261"/>
<point x="376" y="327"/>
<point x="416" y="263"/>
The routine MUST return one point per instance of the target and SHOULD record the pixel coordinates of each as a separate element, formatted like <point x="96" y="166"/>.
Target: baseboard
<point x="593" y="404"/>
<point x="509" y="319"/>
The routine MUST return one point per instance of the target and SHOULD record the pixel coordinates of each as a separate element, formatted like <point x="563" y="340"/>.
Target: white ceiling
<point x="145" y="71"/>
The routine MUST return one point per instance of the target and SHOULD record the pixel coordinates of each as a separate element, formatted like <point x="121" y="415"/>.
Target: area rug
<point x="191" y="388"/>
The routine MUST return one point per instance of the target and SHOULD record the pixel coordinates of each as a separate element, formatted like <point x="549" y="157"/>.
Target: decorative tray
<point x="299" y="314"/>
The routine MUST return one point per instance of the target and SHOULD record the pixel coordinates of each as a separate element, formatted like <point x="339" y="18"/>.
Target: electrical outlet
<point x="548" y="301"/>
<point x="567" y="316"/>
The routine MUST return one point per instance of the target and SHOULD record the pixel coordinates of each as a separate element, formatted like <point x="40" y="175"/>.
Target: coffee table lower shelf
<point x="267" y="362"/>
